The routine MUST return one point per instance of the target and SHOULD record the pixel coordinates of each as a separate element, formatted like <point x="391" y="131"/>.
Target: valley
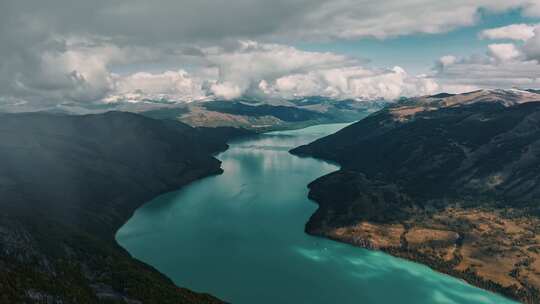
<point x="249" y="222"/>
<point x="270" y="152"/>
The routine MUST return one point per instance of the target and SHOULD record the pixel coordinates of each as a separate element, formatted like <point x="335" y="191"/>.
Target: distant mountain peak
<point x="506" y="97"/>
<point x="407" y="108"/>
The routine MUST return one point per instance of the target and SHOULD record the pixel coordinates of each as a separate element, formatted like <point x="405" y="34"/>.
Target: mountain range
<point x="268" y="115"/>
<point x="452" y="181"/>
<point x="247" y="113"/>
<point x="448" y="180"/>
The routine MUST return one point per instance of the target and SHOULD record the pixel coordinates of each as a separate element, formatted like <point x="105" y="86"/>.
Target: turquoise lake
<point x="240" y="237"/>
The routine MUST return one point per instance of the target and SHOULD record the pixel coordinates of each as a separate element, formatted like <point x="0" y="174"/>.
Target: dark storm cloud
<point x="155" y="21"/>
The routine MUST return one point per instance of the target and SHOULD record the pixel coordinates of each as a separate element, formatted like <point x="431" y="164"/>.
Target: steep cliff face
<point x="67" y="184"/>
<point x="444" y="163"/>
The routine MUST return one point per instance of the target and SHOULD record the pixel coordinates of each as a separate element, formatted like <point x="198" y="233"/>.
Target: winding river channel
<point x="240" y="236"/>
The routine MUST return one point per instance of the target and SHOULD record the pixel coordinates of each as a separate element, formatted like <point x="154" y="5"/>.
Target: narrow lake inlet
<point x="240" y="236"/>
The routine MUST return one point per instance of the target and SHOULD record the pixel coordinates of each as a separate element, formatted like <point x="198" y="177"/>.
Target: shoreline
<point x="390" y="238"/>
<point x="387" y="253"/>
<point x="403" y="254"/>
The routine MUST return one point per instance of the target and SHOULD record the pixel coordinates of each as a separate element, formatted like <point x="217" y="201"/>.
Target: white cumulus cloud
<point x="521" y="32"/>
<point x="272" y="70"/>
<point x="352" y="82"/>
<point x="503" y="51"/>
<point x="504" y="65"/>
<point x="169" y="85"/>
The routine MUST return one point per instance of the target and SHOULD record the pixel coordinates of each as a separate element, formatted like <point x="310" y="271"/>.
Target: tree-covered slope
<point x="67" y="183"/>
<point x="452" y="181"/>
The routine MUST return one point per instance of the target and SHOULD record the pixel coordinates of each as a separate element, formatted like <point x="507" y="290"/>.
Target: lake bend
<point x="240" y="237"/>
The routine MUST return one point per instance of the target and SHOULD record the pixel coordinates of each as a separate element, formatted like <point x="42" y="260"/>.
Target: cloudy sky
<point x="113" y="51"/>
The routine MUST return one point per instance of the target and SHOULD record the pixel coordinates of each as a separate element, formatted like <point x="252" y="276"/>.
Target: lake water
<point x="240" y="236"/>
